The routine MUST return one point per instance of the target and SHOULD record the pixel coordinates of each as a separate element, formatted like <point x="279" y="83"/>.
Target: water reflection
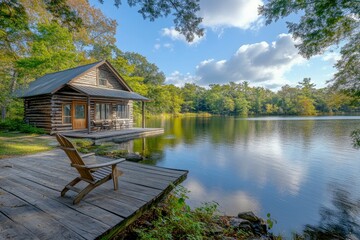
<point x="239" y="200"/>
<point x="277" y="165"/>
<point x="341" y="221"/>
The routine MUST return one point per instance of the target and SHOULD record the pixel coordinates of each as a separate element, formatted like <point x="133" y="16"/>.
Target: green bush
<point x="20" y="126"/>
<point x="177" y="221"/>
<point x="355" y="135"/>
<point x="83" y="145"/>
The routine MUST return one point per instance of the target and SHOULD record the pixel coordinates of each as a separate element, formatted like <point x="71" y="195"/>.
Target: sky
<point x="237" y="46"/>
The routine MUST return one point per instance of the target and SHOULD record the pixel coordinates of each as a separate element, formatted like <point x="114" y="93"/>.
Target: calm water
<point x="286" y="166"/>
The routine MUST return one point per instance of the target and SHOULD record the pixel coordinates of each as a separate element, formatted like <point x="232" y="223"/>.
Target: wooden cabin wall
<point x="56" y="114"/>
<point x="59" y="99"/>
<point x="91" y="78"/>
<point x="37" y="111"/>
<point x="112" y="81"/>
<point x="128" y="123"/>
<point x="124" y="123"/>
<point x="87" y="79"/>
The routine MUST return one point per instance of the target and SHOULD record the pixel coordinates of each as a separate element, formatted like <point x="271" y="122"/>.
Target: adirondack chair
<point x="94" y="174"/>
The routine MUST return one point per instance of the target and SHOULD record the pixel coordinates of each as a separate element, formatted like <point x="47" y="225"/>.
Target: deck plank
<point x="118" y="135"/>
<point x="31" y="206"/>
<point x="13" y="230"/>
<point x="64" y="215"/>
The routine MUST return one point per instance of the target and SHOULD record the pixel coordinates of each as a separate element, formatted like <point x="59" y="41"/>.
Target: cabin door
<point x="79" y="115"/>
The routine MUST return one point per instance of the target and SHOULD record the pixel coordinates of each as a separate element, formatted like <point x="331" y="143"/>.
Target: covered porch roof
<point x="108" y="93"/>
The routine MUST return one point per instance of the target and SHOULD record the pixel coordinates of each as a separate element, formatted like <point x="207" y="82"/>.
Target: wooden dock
<point x="118" y="135"/>
<point x="31" y="206"/>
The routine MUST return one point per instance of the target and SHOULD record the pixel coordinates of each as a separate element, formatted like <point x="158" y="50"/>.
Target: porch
<point x="31" y="206"/>
<point x="118" y="135"/>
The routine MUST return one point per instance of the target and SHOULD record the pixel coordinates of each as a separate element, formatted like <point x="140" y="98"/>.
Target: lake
<point x="291" y="167"/>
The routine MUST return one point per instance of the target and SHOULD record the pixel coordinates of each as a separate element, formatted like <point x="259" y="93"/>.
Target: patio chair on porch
<point x="93" y="174"/>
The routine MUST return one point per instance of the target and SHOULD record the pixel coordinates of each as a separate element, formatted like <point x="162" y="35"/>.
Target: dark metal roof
<point x="49" y="83"/>
<point x="107" y="92"/>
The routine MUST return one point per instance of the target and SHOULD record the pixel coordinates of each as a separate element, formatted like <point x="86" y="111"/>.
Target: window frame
<point x="63" y="116"/>
<point x="124" y="112"/>
<point x="102" y="80"/>
<point x="103" y="109"/>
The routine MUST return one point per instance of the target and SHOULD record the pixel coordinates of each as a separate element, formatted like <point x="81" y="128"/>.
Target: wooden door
<point x="79" y="115"/>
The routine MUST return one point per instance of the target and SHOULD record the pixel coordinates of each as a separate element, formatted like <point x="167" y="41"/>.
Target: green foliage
<point x="185" y="12"/>
<point x="177" y="220"/>
<point x="305" y="106"/>
<point x="142" y="68"/>
<point x="324" y="23"/>
<point x="19" y="126"/>
<point x="270" y="221"/>
<point x="355" y="136"/>
<point x="52" y="50"/>
<point x="241" y="99"/>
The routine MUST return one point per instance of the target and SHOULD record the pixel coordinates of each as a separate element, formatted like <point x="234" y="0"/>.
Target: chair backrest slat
<point x="74" y="156"/>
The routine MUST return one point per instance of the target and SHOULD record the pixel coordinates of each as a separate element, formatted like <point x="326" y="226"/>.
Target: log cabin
<point x="85" y="98"/>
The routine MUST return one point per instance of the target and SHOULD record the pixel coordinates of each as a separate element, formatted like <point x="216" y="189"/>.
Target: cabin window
<point x="66" y="116"/>
<point x="102" y="78"/>
<point x="122" y="111"/>
<point x="79" y="111"/>
<point x="102" y="111"/>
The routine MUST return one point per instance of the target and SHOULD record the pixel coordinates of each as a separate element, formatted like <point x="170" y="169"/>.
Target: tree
<point x="324" y="23"/>
<point x="174" y="99"/>
<point x="287" y="102"/>
<point x="149" y="71"/>
<point x="51" y="50"/>
<point x="22" y="25"/>
<point x="96" y="30"/>
<point x="307" y="88"/>
<point x="305" y="106"/>
<point x="184" y="11"/>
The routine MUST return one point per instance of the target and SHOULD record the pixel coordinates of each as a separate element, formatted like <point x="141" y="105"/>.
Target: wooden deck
<point x="31" y="206"/>
<point x="119" y="135"/>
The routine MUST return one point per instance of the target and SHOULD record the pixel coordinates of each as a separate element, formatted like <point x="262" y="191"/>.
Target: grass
<point x="17" y="144"/>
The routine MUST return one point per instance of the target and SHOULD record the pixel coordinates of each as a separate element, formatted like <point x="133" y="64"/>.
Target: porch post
<point x="143" y="114"/>
<point x="88" y="114"/>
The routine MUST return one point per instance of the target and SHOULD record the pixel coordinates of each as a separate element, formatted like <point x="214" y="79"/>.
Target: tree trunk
<point x="3" y="113"/>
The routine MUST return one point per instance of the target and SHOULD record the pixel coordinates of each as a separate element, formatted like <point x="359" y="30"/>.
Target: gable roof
<point x="52" y="82"/>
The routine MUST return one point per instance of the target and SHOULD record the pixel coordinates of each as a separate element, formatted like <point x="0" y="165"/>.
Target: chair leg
<point x="71" y="184"/>
<point x="114" y="175"/>
<point x="89" y="188"/>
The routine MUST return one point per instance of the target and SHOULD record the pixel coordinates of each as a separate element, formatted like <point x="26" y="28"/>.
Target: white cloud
<point x="157" y="46"/>
<point x="168" y="45"/>
<point x="177" y="36"/>
<point x="179" y="79"/>
<point x="230" y="13"/>
<point x="332" y="57"/>
<point x="259" y="63"/>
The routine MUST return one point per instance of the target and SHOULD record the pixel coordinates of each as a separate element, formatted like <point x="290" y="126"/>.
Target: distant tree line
<point x="241" y="100"/>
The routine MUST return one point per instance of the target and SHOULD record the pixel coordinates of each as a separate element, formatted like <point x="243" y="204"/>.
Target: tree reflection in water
<point x="340" y="222"/>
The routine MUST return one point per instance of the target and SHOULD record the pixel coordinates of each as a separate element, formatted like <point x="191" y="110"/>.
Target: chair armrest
<point x="87" y="155"/>
<point x="99" y="165"/>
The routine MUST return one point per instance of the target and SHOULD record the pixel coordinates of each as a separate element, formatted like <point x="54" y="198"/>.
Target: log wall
<point x="120" y="123"/>
<point x="57" y="102"/>
<point x="92" y="78"/>
<point x="37" y="111"/>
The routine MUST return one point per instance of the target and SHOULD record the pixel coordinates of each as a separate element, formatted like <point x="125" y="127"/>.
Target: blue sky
<point x="237" y="47"/>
